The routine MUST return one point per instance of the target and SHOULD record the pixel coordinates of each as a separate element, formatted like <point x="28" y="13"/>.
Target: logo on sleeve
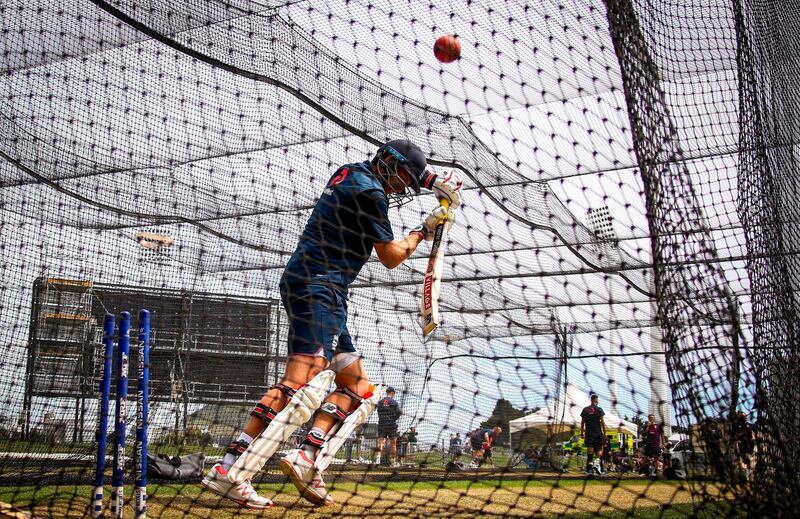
<point x="337" y="179"/>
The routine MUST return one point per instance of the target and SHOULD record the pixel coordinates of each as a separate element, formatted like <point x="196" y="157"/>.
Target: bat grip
<point x="446" y="204"/>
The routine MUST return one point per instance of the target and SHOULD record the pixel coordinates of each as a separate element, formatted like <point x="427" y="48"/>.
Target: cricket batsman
<point x="350" y="219"/>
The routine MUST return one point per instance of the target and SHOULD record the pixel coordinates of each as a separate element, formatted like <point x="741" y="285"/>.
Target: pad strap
<point x="237" y="448"/>
<point x="313" y="439"/>
<point x="333" y="410"/>
<point x="354" y="397"/>
<point x="286" y="390"/>
<point x="263" y="413"/>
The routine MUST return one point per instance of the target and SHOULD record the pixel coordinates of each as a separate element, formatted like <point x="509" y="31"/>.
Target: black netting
<point x="627" y="229"/>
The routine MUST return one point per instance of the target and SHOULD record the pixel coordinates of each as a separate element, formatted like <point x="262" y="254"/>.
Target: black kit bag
<point x="176" y="468"/>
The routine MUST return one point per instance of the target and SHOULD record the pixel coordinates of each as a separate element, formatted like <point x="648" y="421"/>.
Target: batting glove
<point x="428" y="226"/>
<point x="447" y="186"/>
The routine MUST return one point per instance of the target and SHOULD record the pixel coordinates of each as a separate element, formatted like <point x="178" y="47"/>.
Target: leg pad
<point x="342" y="430"/>
<point x="304" y="402"/>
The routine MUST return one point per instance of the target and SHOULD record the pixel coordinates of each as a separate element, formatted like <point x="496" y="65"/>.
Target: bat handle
<point x="446" y="204"/>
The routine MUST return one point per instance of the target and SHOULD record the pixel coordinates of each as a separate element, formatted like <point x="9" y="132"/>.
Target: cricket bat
<point x="429" y="306"/>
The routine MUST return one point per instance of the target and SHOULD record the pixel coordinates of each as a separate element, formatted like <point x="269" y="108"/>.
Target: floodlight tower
<point x="660" y="402"/>
<point x="608" y="245"/>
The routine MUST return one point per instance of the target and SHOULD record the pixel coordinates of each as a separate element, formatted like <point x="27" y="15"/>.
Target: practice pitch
<point x="455" y="498"/>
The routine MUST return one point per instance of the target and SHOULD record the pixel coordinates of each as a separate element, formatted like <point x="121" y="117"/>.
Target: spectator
<point x="412" y="440"/>
<point x="459" y="443"/>
<point x="666" y="457"/>
<point x="605" y="460"/>
<point x="388" y="414"/>
<point x="532" y="458"/>
<point x="713" y="450"/>
<point x="358" y="443"/>
<point x="620" y="462"/>
<point x="402" y="447"/>
<point x="456" y="447"/>
<point x="640" y="463"/>
<point x="744" y="441"/>
<point x="654" y="438"/>
<point x="348" y="447"/>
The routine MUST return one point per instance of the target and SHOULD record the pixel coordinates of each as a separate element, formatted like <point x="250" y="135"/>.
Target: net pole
<point x="659" y="404"/>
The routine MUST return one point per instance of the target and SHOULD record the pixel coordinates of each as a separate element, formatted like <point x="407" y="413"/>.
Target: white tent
<point x="564" y="415"/>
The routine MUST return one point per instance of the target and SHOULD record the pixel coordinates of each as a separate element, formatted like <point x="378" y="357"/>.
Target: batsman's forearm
<point x="397" y="251"/>
<point x="410" y="243"/>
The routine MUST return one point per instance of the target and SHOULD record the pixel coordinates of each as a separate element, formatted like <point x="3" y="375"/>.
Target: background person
<point x="744" y="439"/>
<point x="456" y="447"/>
<point x="452" y="445"/>
<point x="388" y="413"/>
<point x="593" y="432"/>
<point x="481" y="441"/>
<point x="605" y="459"/>
<point x="412" y="440"/>
<point x="654" y="438"/>
<point x="402" y="448"/>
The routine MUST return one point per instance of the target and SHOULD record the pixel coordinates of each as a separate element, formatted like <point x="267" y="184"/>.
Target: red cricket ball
<point x="447" y="48"/>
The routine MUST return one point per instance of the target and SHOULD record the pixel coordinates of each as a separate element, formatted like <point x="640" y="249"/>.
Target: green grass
<point x="676" y="511"/>
<point x="28" y="494"/>
<point x="492" y="483"/>
<point x="172" y="500"/>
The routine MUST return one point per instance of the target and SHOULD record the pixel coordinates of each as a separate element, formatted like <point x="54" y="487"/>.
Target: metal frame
<point x="189" y="343"/>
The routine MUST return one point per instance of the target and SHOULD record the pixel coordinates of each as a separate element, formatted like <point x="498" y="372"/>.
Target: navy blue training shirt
<point x="351" y="215"/>
<point x="388" y="411"/>
<point x="591" y="416"/>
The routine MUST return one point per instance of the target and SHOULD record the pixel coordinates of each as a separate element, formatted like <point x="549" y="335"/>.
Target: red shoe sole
<point x="307" y="494"/>
<point x="243" y="504"/>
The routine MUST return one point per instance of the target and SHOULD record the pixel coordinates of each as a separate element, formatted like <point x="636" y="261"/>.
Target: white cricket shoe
<point x="308" y="480"/>
<point x="243" y="493"/>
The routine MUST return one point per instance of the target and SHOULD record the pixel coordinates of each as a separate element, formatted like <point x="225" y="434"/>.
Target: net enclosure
<point x="627" y="228"/>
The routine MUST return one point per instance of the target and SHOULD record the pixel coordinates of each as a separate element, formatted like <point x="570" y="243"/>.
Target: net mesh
<point x="627" y="229"/>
